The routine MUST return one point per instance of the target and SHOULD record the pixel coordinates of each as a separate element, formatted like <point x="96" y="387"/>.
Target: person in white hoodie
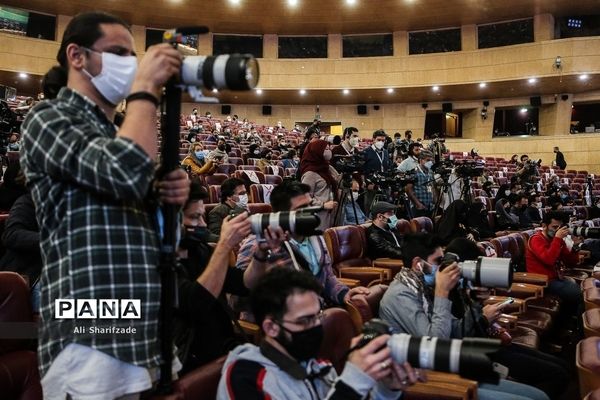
<point x="285" y="365"/>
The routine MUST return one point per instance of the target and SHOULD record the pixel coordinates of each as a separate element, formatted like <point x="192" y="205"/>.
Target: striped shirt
<point x="98" y="236"/>
<point x="423" y="187"/>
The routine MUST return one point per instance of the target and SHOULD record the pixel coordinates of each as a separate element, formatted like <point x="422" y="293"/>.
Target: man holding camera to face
<point x="287" y="307"/>
<point x="92" y="185"/>
<point x="428" y="300"/>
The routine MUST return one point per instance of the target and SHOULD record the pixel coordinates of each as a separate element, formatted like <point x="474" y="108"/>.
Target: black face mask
<point x="193" y="236"/>
<point x="304" y="344"/>
<point x="221" y="147"/>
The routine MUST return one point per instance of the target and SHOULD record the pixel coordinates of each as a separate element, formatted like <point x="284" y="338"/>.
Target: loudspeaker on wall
<point x="361" y="109"/>
<point x="447" y="107"/>
<point x="535" y="101"/>
<point x="225" y="109"/>
<point x="266" y="110"/>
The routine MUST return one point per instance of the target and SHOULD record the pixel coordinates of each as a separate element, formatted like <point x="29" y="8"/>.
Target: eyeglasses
<point x="307" y="321"/>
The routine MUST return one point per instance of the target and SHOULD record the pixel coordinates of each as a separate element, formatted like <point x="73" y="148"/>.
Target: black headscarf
<point x="449" y="226"/>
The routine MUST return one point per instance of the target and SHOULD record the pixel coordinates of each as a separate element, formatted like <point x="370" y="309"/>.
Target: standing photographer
<point x="420" y="192"/>
<point x="377" y="159"/>
<point x="349" y="143"/>
<point x="412" y="161"/>
<point x="92" y="187"/>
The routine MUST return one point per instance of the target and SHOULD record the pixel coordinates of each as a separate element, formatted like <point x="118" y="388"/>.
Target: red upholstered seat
<point x="338" y="332"/>
<point x="588" y="364"/>
<point x="215" y="179"/>
<point x="421" y="224"/>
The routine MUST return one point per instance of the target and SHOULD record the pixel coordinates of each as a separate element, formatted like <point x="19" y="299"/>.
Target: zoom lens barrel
<point x="226" y="71"/>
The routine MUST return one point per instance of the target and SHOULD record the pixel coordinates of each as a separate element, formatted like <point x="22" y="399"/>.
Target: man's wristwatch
<point x="262" y="259"/>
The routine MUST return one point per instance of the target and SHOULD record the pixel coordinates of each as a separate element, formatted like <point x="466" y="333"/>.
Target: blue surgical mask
<point x="430" y="278"/>
<point x="551" y="233"/>
<point x="392" y="221"/>
<point x="199" y="155"/>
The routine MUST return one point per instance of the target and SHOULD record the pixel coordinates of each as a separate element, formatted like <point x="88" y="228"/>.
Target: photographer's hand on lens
<point x="402" y="376"/>
<point x="562" y="232"/>
<point x="273" y="238"/>
<point x="491" y="312"/>
<point x="446" y="280"/>
<point x="374" y="358"/>
<point x="234" y="230"/>
<point x="577" y="239"/>
<point x="330" y="205"/>
<point x="158" y="65"/>
<point x="174" y="187"/>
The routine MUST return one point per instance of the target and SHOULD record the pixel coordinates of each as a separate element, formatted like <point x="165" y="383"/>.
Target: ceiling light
<point x="215" y="90"/>
<point x="234" y="2"/>
<point x="583" y="77"/>
<point x="292" y="3"/>
<point x="574" y="23"/>
<point x="345" y="91"/>
<point x="523" y="110"/>
<point x="258" y="91"/>
<point x="390" y="90"/>
<point x="532" y="80"/>
<point x="23" y="75"/>
<point x="302" y="92"/>
<point x="435" y="88"/>
<point x="482" y="85"/>
<point x="351" y="2"/>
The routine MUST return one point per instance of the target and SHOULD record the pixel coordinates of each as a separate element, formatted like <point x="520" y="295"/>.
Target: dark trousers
<point x="532" y="367"/>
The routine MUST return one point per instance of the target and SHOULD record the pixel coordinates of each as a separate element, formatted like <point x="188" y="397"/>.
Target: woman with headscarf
<point x="196" y="163"/>
<point x="322" y="179"/>
<point x="506" y="219"/>
<point x="503" y="192"/>
<point x="265" y="160"/>
<point x="452" y="224"/>
<point x="477" y="221"/>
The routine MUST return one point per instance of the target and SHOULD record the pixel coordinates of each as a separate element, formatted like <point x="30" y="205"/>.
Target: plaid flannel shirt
<point x="98" y="237"/>
<point x="423" y="187"/>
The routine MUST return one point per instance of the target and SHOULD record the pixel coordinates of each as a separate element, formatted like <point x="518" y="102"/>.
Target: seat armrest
<point x="351" y="283"/>
<point x="390" y="263"/>
<point x="517" y="306"/>
<point x="531" y="278"/>
<point x="251" y="330"/>
<point x="366" y="274"/>
<point x="507" y="321"/>
<point x="521" y="291"/>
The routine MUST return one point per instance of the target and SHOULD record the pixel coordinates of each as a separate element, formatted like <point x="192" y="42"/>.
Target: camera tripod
<point x="446" y="189"/>
<point x="345" y="195"/>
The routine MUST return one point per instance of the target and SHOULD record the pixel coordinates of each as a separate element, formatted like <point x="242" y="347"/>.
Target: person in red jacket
<point x="548" y="254"/>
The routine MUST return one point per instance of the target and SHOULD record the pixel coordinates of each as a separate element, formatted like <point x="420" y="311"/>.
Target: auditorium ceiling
<point x="447" y="93"/>
<point x="314" y="16"/>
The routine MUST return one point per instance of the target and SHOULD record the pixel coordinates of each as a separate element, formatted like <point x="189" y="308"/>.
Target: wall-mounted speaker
<point x="535" y="101"/>
<point x="376" y="107"/>
<point x="565" y="97"/>
<point x="425" y="105"/>
<point x="361" y="109"/>
<point x="266" y="110"/>
<point x="486" y="103"/>
<point x="447" y="107"/>
<point x="225" y="109"/>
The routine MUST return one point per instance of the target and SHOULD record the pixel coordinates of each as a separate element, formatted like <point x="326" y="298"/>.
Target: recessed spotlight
<point x="345" y="91"/>
<point x="390" y="90"/>
<point x="583" y="77"/>
<point x="258" y="91"/>
<point x="23" y="75"/>
<point x="234" y="2"/>
<point x="292" y="3"/>
<point x="351" y="2"/>
<point x="482" y="85"/>
<point x="215" y="90"/>
<point x="532" y="80"/>
<point x="302" y="92"/>
<point x="435" y="88"/>
<point x="523" y="110"/>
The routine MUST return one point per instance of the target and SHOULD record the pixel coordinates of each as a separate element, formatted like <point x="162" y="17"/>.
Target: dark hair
<point x="554" y="206"/>
<point x="337" y="139"/>
<point x="349" y="131"/>
<point x="251" y="149"/>
<point x="282" y="194"/>
<point x="420" y="245"/>
<point x="397" y="135"/>
<point x="412" y="146"/>
<point x="291" y="154"/>
<point x="556" y="215"/>
<point x="53" y="81"/>
<point x="265" y="153"/>
<point x="464" y="248"/>
<point x="197" y="192"/>
<point x="310" y="131"/>
<point x="228" y="188"/>
<point x="408" y="132"/>
<point x="523" y="156"/>
<point x="84" y="30"/>
<point x="269" y="297"/>
<point x="379" y="133"/>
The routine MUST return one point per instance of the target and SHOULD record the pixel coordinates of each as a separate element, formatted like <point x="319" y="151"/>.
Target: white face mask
<point x="428" y="164"/>
<point x="243" y="201"/>
<point x="116" y="77"/>
<point x="354" y="196"/>
<point x="327" y="155"/>
<point x="379" y="145"/>
<point x="354" y="141"/>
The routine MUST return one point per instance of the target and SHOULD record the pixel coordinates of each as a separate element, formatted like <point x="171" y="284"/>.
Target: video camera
<point x="349" y="164"/>
<point x="485" y="271"/>
<point x="468" y="357"/>
<point x="469" y="168"/>
<point x="394" y="180"/>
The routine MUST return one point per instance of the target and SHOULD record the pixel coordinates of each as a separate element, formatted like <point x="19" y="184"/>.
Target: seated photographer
<point x="219" y="155"/>
<point x="352" y="205"/>
<point x="196" y="163"/>
<point x="549" y="254"/>
<point x="505" y="219"/>
<point x="349" y="143"/>
<point x="423" y="300"/>
<point x="382" y="240"/>
<point x="298" y="252"/>
<point x="421" y="191"/>
<point x="565" y="197"/>
<point x="534" y="208"/>
<point x="520" y="209"/>
<point x="321" y="178"/>
<point x="377" y="158"/>
<point x="203" y="281"/>
<point x="453" y="223"/>
<point x="290" y="160"/>
<point x="234" y="199"/>
<point x="412" y="161"/>
<point x="287" y="307"/>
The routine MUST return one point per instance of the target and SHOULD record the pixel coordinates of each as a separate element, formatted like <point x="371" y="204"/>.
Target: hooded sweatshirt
<point x="252" y="372"/>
